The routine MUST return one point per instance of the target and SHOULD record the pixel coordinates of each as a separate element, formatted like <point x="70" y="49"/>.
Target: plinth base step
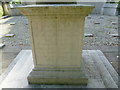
<point x="57" y="78"/>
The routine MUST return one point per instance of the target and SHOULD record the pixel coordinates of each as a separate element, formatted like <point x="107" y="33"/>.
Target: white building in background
<point x="101" y="7"/>
<point x="97" y="3"/>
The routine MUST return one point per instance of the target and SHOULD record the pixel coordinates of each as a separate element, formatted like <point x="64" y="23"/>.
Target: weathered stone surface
<point x="56" y="35"/>
<point x="58" y="77"/>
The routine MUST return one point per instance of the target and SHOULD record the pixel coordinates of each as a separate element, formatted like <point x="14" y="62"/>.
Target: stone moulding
<point x="56" y="9"/>
<point x="57" y="38"/>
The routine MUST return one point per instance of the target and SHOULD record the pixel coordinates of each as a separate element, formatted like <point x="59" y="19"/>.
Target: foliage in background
<point x="15" y="2"/>
<point x="1" y="11"/>
<point x="113" y="1"/>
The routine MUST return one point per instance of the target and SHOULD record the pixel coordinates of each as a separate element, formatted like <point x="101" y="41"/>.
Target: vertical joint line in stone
<point x="56" y="18"/>
<point x="33" y="45"/>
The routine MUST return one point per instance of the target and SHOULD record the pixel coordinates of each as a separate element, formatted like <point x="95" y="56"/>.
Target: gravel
<point x="102" y="31"/>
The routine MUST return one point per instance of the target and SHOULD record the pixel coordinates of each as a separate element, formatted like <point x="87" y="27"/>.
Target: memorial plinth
<point x="57" y="38"/>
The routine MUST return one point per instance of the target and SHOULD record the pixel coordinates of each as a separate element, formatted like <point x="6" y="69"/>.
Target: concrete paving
<point x="97" y="69"/>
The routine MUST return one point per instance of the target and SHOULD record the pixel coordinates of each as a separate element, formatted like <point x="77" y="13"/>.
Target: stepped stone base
<point x="57" y="78"/>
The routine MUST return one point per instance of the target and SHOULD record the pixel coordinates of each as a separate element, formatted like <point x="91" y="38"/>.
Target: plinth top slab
<point x="55" y="9"/>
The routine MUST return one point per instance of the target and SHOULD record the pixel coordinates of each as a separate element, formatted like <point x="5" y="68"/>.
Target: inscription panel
<point x="58" y="41"/>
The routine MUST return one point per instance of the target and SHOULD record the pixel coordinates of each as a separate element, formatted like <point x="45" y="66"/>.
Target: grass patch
<point x="108" y="27"/>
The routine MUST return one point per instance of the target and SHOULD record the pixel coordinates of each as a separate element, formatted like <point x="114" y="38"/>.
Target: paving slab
<point x="9" y="35"/>
<point x="4" y="17"/>
<point x="12" y="23"/>
<point x="115" y="35"/>
<point x="98" y="70"/>
<point x="2" y="45"/>
<point x="88" y="35"/>
<point x="114" y="23"/>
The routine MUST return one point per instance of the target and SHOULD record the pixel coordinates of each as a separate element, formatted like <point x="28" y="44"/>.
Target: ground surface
<point x="97" y="69"/>
<point x="100" y="26"/>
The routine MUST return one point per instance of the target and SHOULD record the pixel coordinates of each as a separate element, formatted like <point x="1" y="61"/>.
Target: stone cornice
<point x="56" y="9"/>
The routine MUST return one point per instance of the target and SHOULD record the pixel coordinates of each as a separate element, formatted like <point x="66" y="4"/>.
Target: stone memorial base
<point x="62" y="77"/>
<point x="97" y="69"/>
<point x="56" y="32"/>
<point x="58" y="78"/>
